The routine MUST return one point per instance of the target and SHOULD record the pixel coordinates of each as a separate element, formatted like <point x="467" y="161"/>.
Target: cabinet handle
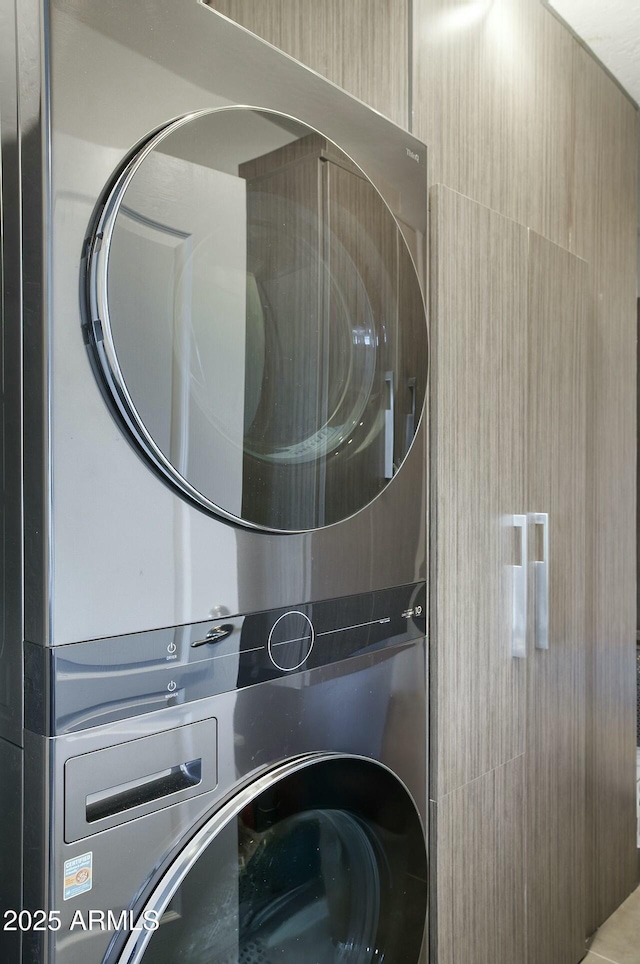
<point x="541" y="575"/>
<point x="411" y="417"/>
<point x="388" y="425"/>
<point x="519" y="580"/>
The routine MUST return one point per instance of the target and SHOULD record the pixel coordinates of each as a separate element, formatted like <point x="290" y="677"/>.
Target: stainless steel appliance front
<point x="280" y="822"/>
<point x="129" y="525"/>
<point x="113" y="529"/>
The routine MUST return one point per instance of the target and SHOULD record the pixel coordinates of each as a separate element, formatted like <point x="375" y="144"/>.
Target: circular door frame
<point x="100" y="333"/>
<point x="158" y="899"/>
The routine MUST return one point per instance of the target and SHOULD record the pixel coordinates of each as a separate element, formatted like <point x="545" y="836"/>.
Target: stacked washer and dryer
<point x="213" y="700"/>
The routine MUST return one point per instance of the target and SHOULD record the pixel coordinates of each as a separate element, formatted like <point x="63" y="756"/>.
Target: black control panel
<point x="73" y="687"/>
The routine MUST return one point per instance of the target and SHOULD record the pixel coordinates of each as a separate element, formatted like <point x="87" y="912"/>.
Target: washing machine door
<point x="256" y="321"/>
<point x="321" y="861"/>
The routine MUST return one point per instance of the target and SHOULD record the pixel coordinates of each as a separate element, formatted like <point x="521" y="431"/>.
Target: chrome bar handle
<point x="388" y="425"/>
<point x="541" y="575"/>
<point x="519" y="579"/>
<point x="134" y="793"/>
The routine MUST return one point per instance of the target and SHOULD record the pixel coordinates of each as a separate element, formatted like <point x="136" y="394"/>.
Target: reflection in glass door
<point x="327" y="864"/>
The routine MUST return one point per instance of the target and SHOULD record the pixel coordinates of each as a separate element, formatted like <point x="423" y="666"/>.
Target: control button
<point x="171" y="648"/>
<point x="172" y="685"/>
<point x="418" y="608"/>
<point x="291" y="641"/>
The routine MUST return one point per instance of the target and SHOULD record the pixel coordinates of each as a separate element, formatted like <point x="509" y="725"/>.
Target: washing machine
<point x="275" y="812"/>
<point x="214" y="365"/>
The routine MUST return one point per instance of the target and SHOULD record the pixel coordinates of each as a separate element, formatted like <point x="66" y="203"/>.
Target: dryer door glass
<point x="257" y="320"/>
<point x="325" y="865"/>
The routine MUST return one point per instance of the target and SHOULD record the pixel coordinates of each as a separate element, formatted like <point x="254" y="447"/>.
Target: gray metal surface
<point x="372" y="706"/>
<point x="106" y="773"/>
<point x="76" y="687"/>
<point x="11" y="554"/>
<point x="110" y="548"/>
<point x="11" y="763"/>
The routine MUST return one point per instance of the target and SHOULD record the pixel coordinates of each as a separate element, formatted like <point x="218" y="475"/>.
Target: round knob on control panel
<point x="291" y="641"/>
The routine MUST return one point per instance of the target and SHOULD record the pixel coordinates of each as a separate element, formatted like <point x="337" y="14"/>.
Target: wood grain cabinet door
<point x="508" y="430"/>
<point x="556" y="480"/>
<point x="478" y="690"/>
<point x="478" y="431"/>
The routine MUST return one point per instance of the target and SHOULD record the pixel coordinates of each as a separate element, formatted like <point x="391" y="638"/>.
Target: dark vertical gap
<point x="432" y="920"/>
<point x="433" y="669"/>
<point x="638" y="475"/>
<point x="11" y="374"/>
<point x="410" y="65"/>
<point x="638" y="536"/>
<point x="637" y="562"/>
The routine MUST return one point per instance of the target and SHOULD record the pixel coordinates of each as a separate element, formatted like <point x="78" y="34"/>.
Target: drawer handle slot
<point x="125" y="796"/>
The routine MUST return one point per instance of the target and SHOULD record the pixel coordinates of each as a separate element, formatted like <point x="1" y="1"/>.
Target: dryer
<point x="225" y="345"/>
<point x="214" y="372"/>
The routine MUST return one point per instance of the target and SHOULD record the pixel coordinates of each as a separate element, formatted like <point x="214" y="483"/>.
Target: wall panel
<point x="361" y="45"/>
<point x="493" y="100"/>
<point x="604" y="226"/>
<point x="518" y="116"/>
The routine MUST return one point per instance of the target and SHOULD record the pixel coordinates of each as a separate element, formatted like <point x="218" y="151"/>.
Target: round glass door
<point x="325" y="865"/>
<point x="257" y="320"/>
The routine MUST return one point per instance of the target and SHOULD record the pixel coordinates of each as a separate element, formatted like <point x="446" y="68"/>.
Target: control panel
<point x="102" y="680"/>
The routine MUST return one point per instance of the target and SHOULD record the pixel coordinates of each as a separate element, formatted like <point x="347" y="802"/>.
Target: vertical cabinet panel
<point x="605" y="233"/>
<point x="556" y="483"/>
<point x="478" y="423"/>
<point x="478" y="390"/>
<point x="510" y="354"/>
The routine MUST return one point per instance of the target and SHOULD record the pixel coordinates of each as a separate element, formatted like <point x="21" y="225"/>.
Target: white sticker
<point x="78" y="875"/>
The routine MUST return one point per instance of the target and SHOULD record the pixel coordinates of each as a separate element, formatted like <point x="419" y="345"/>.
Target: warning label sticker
<point x="78" y="875"/>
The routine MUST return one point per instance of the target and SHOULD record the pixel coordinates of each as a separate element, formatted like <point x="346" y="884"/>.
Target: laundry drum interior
<point x="323" y="862"/>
